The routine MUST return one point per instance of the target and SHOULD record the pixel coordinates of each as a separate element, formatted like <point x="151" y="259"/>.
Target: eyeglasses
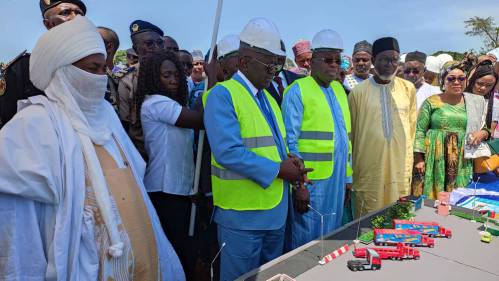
<point x="330" y="61"/>
<point x="393" y="61"/>
<point x="271" y="67"/>
<point x="414" y="71"/>
<point x="451" y="79"/>
<point x="482" y="84"/>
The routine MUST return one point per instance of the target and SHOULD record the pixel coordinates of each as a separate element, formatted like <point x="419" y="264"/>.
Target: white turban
<point x="80" y="95"/>
<point x="63" y="45"/>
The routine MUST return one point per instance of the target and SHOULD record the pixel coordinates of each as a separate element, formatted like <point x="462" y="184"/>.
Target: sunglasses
<point x="451" y="79"/>
<point x="413" y="71"/>
<point x="271" y="67"/>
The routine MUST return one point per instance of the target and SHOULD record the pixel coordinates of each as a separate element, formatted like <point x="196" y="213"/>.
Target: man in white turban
<point x="72" y="201"/>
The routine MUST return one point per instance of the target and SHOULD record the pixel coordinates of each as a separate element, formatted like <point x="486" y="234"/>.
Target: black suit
<point x="290" y="78"/>
<point x="19" y="87"/>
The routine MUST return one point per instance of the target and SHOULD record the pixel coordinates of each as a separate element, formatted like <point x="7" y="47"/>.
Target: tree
<point x="120" y="57"/>
<point x="485" y="28"/>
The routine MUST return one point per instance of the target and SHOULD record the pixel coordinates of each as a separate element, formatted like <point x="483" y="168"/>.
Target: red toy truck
<point x="398" y="253"/>
<point x="432" y="229"/>
<point x="407" y="237"/>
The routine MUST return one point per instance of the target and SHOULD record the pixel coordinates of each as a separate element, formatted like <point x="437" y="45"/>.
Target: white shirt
<point x="425" y="91"/>
<point x="170" y="148"/>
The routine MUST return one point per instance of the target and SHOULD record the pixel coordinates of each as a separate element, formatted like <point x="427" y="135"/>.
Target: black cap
<point x="385" y="44"/>
<point x="48" y="4"/>
<point x="140" y="26"/>
<point x="363" y="46"/>
<point x="416" y="56"/>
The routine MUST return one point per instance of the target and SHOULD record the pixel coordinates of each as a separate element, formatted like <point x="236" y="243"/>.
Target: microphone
<point x="214" y="259"/>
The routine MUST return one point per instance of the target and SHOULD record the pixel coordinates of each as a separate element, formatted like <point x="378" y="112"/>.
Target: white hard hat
<point x="262" y="33"/>
<point x="433" y="64"/>
<point x="327" y="39"/>
<point x="227" y="45"/>
<point x="402" y="57"/>
<point x="494" y="52"/>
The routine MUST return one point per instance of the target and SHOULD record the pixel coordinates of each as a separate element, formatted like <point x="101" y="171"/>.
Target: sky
<point x="423" y="25"/>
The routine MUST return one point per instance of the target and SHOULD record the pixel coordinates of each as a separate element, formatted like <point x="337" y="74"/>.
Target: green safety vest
<point x="316" y="141"/>
<point x="231" y="190"/>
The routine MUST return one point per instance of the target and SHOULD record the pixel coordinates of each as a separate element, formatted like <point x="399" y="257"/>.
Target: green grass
<point x="367" y="237"/>
<point x="467" y="216"/>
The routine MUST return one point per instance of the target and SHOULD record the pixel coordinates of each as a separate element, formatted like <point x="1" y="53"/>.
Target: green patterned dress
<point x="440" y="135"/>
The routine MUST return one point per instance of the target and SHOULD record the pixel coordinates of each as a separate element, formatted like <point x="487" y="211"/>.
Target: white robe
<point x="43" y="233"/>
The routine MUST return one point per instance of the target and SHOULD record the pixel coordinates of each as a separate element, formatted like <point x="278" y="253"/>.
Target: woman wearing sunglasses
<point x="441" y="134"/>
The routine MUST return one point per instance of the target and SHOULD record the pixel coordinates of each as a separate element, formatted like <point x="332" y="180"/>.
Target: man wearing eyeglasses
<point x="414" y="70"/>
<point x="250" y="166"/>
<point x="317" y="120"/>
<point x="361" y="60"/>
<point x="15" y="76"/>
<point x="383" y="112"/>
<point x="146" y="38"/>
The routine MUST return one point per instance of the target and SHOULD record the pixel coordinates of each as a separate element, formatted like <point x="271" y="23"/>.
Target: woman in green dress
<point x="441" y="136"/>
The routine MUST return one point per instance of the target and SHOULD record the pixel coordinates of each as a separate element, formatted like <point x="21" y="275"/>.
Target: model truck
<point x="398" y="253"/>
<point x="404" y="236"/>
<point x="371" y="262"/>
<point x="432" y="229"/>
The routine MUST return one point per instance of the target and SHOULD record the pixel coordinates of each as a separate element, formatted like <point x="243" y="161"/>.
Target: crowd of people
<point x="99" y="162"/>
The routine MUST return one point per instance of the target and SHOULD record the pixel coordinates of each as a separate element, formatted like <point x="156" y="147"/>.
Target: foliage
<point x="378" y="221"/>
<point x="120" y="57"/>
<point x="486" y="29"/>
<point x="367" y="237"/>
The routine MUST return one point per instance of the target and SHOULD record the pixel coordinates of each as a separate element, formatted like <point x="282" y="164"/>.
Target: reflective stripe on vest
<point x="316" y="140"/>
<point x="234" y="191"/>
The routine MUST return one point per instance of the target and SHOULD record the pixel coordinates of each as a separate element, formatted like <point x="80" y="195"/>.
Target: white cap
<point x="402" y="57"/>
<point x="443" y="58"/>
<point x="262" y="33"/>
<point x="433" y="64"/>
<point x="494" y="52"/>
<point x="227" y="45"/>
<point x="327" y="39"/>
<point x="197" y="55"/>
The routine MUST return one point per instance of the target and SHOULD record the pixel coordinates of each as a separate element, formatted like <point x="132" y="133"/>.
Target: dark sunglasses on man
<point x="271" y="67"/>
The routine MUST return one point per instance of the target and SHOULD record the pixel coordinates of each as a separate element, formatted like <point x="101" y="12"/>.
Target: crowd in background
<point x="99" y="160"/>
